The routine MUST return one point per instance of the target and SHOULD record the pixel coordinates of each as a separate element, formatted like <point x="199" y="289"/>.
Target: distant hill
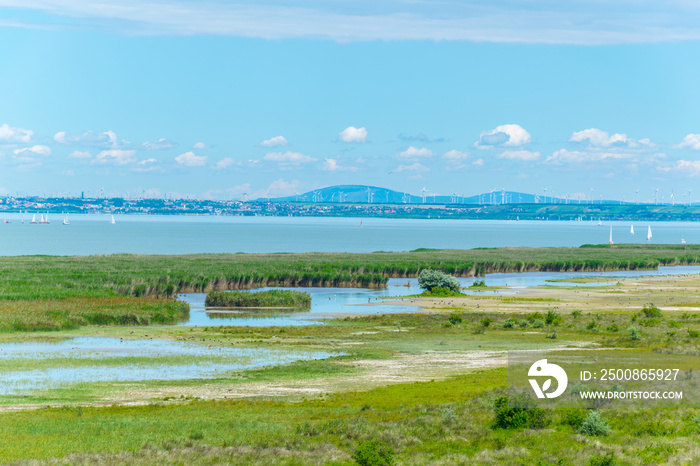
<point x="363" y="194"/>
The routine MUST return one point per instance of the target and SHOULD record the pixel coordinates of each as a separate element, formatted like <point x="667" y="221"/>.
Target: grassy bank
<point x="262" y="299"/>
<point x="40" y="277"/>
<point x="72" y="313"/>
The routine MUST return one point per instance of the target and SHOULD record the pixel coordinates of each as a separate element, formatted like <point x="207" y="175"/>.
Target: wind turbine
<point x="591" y="195"/>
<point x="656" y="196"/>
<point x="369" y="195"/>
<point x="673" y="199"/>
<point x="545" y="196"/>
<point x="423" y="191"/>
<point x="690" y="192"/>
<point x="637" y="192"/>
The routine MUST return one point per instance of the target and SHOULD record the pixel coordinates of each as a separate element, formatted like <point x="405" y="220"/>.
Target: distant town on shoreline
<point x="369" y="201"/>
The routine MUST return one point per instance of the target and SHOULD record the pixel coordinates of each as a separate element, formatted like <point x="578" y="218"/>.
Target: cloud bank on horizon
<point x="582" y="22"/>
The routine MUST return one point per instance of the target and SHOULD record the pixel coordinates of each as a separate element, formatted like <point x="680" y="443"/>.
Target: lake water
<point x="93" y="234"/>
<point x="337" y="302"/>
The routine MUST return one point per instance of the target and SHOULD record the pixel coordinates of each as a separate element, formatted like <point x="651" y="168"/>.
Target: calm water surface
<point x="117" y="366"/>
<point x="337" y="302"/>
<point x="93" y="234"/>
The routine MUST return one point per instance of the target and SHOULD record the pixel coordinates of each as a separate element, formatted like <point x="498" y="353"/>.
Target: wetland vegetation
<point x="270" y="299"/>
<point x="419" y="388"/>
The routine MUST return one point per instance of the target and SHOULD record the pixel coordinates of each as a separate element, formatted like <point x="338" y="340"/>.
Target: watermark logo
<point x="542" y="368"/>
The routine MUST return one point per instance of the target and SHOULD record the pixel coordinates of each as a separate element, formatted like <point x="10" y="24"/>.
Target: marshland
<point x="417" y="387"/>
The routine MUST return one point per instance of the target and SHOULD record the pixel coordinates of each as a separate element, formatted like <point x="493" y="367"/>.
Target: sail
<point x="611" y="240"/>
<point x="649" y="233"/>
<point x="632" y="230"/>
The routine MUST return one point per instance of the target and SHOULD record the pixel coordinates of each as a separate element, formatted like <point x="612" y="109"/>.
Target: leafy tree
<point x="430" y="279"/>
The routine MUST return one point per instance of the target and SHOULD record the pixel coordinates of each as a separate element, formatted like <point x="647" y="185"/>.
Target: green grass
<point x="443" y="422"/>
<point x="43" y="277"/>
<point x="261" y="299"/>
<point x="75" y="312"/>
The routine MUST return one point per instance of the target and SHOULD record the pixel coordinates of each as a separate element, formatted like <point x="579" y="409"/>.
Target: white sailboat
<point x="599" y="222"/>
<point x="65" y="219"/>
<point x="649" y="233"/>
<point x="632" y="230"/>
<point x="33" y="218"/>
<point x="611" y="240"/>
<point x="112" y="221"/>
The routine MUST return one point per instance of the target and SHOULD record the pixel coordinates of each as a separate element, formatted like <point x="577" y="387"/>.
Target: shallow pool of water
<point x="209" y="362"/>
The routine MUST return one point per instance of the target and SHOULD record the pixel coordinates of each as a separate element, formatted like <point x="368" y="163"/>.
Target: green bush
<point x="538" y="323"/>
<point x="576" y="314"/>
<point x="430" y="279"/>
<point x="693" y="333"/>
<point x="374" y="453"/>
<point x="603" y="460"/>
<point x="651" y="311"/>
<point x="573" y="417"/>
<point x="552" y="318"/>
<point x="634" y="333"/>
<point x="441" y="292"/>
<point x="509" y="323"/>
<point x="518" y="411"/>
<point x="455" y="318"/>
<point x="486" y="321"/>
<point x="594" y="425"/>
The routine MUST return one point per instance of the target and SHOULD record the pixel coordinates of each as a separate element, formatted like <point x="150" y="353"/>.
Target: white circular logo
<point x="542" y="368"/>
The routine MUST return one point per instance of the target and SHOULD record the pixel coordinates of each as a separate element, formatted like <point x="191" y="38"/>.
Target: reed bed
<point x="261" y="299"/>
<point x="72" y="313"/>
<point x="43" y="277"/>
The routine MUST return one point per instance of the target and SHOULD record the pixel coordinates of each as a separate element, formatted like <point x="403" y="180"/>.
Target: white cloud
<point x="11" y="134"/>
<point x="288" y="157"/>
<point x="524" y="155"/>
<point x="161" y="143"/>
<point x="90" y="138"/>
<point x="352" y="134"/>
<point x="332" y="165"/>
<point x="188" y="159"/>
<point x="690" y="141"/>
<point x="599" y="138"/>
<point x="687" y="167"/>
<point x="115" y="156"/>
<point x="510" y="135"/>
<point x="415" y="153"/>
<point x="416" y="167"/>
<point x="478" y="163"/>
<point x="277" y="188"/>
<point x="455" y="155"/>
<point x="574" y="156"/>
<point x="201" y="145"/>
<point x="68" y="173"/>
<point x="38" y="150"/>
<point x="76" y="154"/>
<point x="147" y="161"/>
<point x="275" y="141"/>
<point x="224" y="163"/>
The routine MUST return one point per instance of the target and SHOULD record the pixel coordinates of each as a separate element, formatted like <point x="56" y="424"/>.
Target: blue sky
<point x="218" y="99"/>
